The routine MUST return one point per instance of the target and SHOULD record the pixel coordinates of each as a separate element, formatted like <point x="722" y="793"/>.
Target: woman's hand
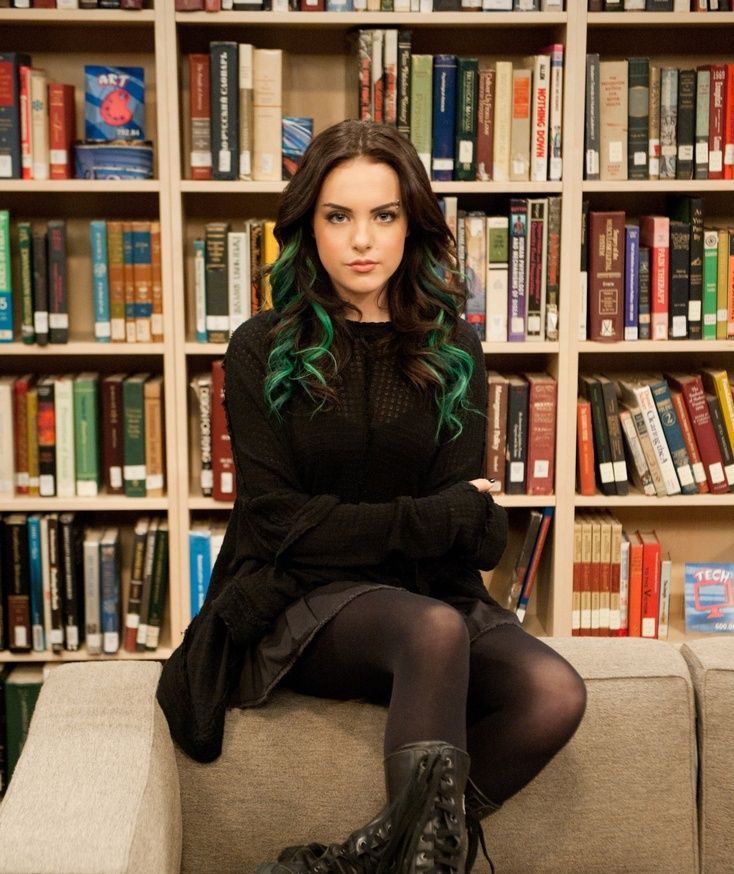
<point x="482" y="485"/>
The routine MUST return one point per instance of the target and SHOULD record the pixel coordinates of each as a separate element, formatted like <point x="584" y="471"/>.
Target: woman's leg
<point x="525" y="703"/>
<point x="396" y="646"/>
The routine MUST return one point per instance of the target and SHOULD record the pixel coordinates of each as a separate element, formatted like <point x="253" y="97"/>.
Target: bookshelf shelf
<point x="78" y="17"/>
<point x="102" y="503"/>
<point x="681" y="186"/>
<point x="81" y="186"/>
<point x="85" y="348"/>
<point x="340" y="20"/>
<point x="658" y="19"/>
<point x="527" y="348"/>
<point x="663" y="346"/>
<point x="638" y="500"/>
<point x="81" y="655"/>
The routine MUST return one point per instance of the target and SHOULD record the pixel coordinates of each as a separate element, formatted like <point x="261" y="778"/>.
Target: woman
<point x="350" y="567"/>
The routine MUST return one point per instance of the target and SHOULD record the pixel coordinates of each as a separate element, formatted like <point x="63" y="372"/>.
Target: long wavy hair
<point x="425" y="295"/>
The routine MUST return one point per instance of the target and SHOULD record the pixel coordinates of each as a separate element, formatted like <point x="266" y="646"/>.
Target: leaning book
<point x="709" y="598"/>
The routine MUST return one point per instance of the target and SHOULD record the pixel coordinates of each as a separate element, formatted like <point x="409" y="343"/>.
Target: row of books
<point x="127" y="287"/>
<point x="521" y="433"/>
<point x="216" y="473"/>
<point x="659" y="5"/>
<point x="502" y="122"/>
<point x="205" y="541"/>
<point x="20" y="686"/>
<point x="228" y="281"/>
<point x="514" y="591"/>
<point x="38" y="117"/>
<point x="73" y="4"/>
<point x="511" y="264"/>
<point x="656" y="277"/>
<point x="670" y="434"/>
<point x="61" y="584"/>
<point x="369" y="5"/>
<point x="648" y="121"/>
<point x="621" y="579"/>
<point x="68" y="435"/>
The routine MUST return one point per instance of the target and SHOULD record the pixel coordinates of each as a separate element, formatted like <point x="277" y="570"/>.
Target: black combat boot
<point x="478" y="806"/>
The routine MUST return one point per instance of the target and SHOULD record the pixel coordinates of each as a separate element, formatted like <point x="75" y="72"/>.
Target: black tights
<point x="508" y="699"/>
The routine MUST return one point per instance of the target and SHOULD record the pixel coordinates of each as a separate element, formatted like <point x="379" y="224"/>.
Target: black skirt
<point x="270" y="659"/>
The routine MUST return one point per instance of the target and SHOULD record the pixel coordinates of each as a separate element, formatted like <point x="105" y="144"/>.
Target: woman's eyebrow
<point x="347" y="209"/>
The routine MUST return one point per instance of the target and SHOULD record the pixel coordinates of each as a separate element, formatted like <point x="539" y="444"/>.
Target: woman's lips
<point x="363" y="266"/>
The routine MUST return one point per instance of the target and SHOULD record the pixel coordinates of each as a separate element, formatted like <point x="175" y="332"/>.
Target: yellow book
<point x="270" y="254"/>
<point x="716" y="381"/>
<point x="154" y="437"/>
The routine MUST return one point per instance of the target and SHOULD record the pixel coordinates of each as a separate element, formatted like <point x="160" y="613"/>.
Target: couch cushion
<point x="711" y="663"/>
<point x="96" y="788"/>
<point x="620" y="797"/>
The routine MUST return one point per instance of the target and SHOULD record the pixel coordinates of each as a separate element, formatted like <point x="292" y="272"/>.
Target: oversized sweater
<point x="359" y="493"/>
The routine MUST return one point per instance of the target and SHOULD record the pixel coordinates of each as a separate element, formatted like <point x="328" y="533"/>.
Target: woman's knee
<point x="560" y="700"/>
<point x="439" y="632"/>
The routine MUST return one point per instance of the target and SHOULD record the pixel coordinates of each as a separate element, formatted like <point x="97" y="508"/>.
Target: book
<point x="586" y="483"/>
<point x="531" y="574"/>
<point x="709" y="597"/>
<point x="613" y="119"/>
<point x="651" y="559"/>
<point x="517" y="436"/>
<point x="22" y="688"/>
<point x="511" y="596"/>
<point x="542" y="400"/>
<point x="267" y="111"/>
<point x="606" y="277"/>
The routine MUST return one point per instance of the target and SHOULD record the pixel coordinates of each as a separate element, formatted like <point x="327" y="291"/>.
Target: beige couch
<point x="101" y="789"/>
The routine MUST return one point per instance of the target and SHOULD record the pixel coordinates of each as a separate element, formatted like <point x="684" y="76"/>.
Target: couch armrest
<point x="96" y="788"/>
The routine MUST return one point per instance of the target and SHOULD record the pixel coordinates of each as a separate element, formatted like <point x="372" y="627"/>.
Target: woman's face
<point x="360" y="228"/>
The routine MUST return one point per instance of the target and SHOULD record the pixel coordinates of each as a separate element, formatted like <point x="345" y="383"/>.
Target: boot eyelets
<point x="361" y="845"/>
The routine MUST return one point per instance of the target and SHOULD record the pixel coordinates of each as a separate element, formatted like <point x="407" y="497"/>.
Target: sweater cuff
<point x="233" y="607"/>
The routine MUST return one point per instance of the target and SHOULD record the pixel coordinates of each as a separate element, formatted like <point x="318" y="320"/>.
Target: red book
<point x="655" y="234"/>
<point x="729" y="123"/>
<point x="20" y="432"/>
<point x="222" y="461"/>
<point x="497" y="389"/>
<point x="585" y="448"/>
<point x="200" y="113"/>
<point x="541" y="433"/>
<point x="681" y="411"/>
<point x="61" y="130"/>
<point x="312" y="5"/>
<point x="634" y="609"/>
<point x="112" y="433"/>
<point x="212" y="5"/>
<point x="606" y="276"/>
<point x="650" y="583"/>
<point x="691" y="386"/>
<point x="717" y="98"/>
<point x="25" y="123"/>
<point x="189" y="5"/>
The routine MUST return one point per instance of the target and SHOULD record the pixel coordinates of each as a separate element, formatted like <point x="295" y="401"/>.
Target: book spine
<point x="58" y="315"/>
<point x="46" y="439"/>
<point x="668" y="121"/>
<point x="631" y="281"/>
<point x="539" y="146"/>
<point x="685" y="128"/>
<point x="653" y="146"/>
<point x="200" y="93"/>
<point x="466" y="119"/>
<point x="92" y="589"/>
<point x="650" y="585"/>
<point x="644" y="304"/>
<point x="542" y="401"/>
<point x="246" y="109"/>
<point x="116" y="273"/>
<point x="655" y="234"/>
<point x="592" y="391"/>
<point x="638" y="100"/>
<point x="10" y="146"/>
<point x="445" y="70"/>
<point x="128" y="282"/>
<point x="497" y="389"/>
<point x="64" y="424"/>
<point x="154" y="437"/>
<point x="678" y="280"/>
<point x="522" y="91"/>
<point x="142" y="281"/>
<point x="110" y="585"/>
<point x="586" y="482"/>
<point x="35" y="569"/>
<point x="536" y="269"/>
<point x="716" y="120"/>
<point x="156" y="318"/>
<point x="100" y="281"/>
<point x="641" y="472"/>
<point x="421" y="106"/>
<point x="497" y="278"/>
<point x="553" y="268"/>
<point x="403" y="84"/>
<point x="71" y="549"/>
<point x="224" y="109"/>
<point x="159" y="587"/>
<point x="16" y="582"/>
<point x="591" y="132"/>
<point x="703" y="429"/>
<point x="485" y="125"/>
<point x="222" y="460"/>
<point x="199" y="568"/>
<point x="710" y="273"/>
<point x="657" y="438"/>
<point x="40" y="288"/>
<point x="517" y="437"/>
<point x="132" y="614"/>
<point x="86" y="446"/>
<point x="62" y="130"/>
<point x="476" y="273"/>
<point x="390" y="76"/>
<point x="673" y="436"/>
<point x="517" y="295"/>
<point x="681" y="412"/>
<point x="25" y="272"/>
<point x="555" y="129"/>
<point x="613" y="119"/>
<point x="703" y="95"/>
<point x="722" y="438"/>
<point x="6" y="282"/>
<point x="268" y="111"/>
<point x="134" y="472"/>
<point x="606" y="280"/>
<point x="217" y="292"/>
<point x="501" y="144"/>
<point x="238" y="275"/>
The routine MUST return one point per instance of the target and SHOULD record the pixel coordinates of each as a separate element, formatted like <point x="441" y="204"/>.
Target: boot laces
<point x="475" y="835"/>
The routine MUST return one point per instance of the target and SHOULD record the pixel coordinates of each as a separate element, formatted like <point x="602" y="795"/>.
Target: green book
<point x="22" y="688"/>
<point x="86" y="435"/>
<point x="465" y="150"/>
<point x="134" y="435"/>
<point x="25" y="263"/>
<point x="710" y="278"/>
<point x="6" y="280"/>
<point x="159" y="587"/>
<point x="421" y="106"/>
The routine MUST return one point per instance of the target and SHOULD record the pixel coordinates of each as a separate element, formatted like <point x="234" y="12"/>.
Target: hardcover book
<point x="709" y="597"/>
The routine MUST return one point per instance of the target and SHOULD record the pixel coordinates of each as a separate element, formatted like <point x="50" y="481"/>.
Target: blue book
<point x="631" y="281"/>
<point x="6" y="280"/>
<point x="339" y="6"/>
<point x="709" y="597"/>
<point x="444" y="117"/>
<point x="141" y="255"/>
<point x="128" y="259"/>
<point x="109" y="570"/>
<point x="673" y="435"/>
<point x="100" y="282"/>
<point x="36" y="582"/>
<point x="531" y="573"/>
<point x="200" y="567"/>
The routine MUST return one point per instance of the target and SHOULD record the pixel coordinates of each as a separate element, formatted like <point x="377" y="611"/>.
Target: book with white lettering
<point x="709" y="597"/>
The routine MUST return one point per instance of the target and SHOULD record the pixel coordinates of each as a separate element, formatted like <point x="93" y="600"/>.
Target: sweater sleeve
<point x="291" y="528"/>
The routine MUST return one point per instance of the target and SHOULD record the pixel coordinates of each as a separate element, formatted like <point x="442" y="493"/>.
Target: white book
<point x="451" y="214"/>
<point x="583" y="305"/>
<point x="640" y="391"/>
<point x="539" y="118"/>
<point x="551" y="5"/>
<point x="640" y="470"/>
<point x="520" y="123"/>
<point x="502" y="121"/>
<point x="238" y="277"/>
<point x="666" y="575"/>
<point x="624" y="581"/>
<point x="497" y="278"/>
<point x="634" y="5"/>
<point x="92" y="590"/>
<point x="268" y="111"/>
<point x="246" y="118"/>
<point x="402" y="6"/>
<point x="555" y="117"/>
<point x="64" y="419"/>
<point x="200" y="290"/>
<point x="7" y="438"/>
<point x="67" y="4"/>
<point x="39" y="123"/>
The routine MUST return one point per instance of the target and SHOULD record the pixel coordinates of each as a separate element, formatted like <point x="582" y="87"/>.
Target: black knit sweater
<point x="362" y="493"/>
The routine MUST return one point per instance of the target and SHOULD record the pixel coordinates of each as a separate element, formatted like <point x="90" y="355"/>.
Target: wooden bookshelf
<point x="317" y="82"/>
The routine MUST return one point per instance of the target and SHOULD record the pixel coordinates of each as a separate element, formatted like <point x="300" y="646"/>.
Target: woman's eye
<point x="336" y="218"/>
<point x="387" y="217"/>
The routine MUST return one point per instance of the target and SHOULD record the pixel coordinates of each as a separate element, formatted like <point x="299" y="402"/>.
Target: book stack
<point x="499" y="123"/>
<point x="521" y="429"/>
<point x="621" y="579"/>
<point x="73" y="434"/>
<point x="511" y="266"/>
<point x="369" y="5"/>
<point x="205" y="541"/>
<point x="669" y="434"/>
<point x="514" y="591"/>
<point x="61" y="584"/>
<point x="216" y="473"/>
<point x="126" y="280"/>
<point x="649" y="121"/>
<point x="229" y="285"/>
<point x="235" y="112"/>
<point x="657" y="277"/>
